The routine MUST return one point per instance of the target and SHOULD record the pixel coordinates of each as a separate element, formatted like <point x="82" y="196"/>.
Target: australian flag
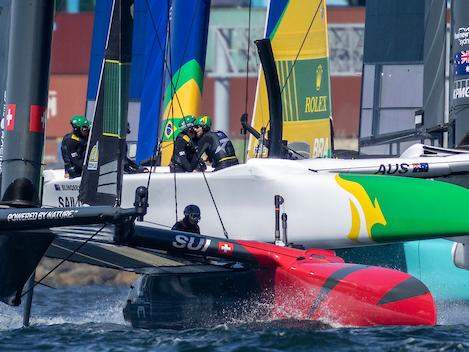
<point x="461" y="63"/>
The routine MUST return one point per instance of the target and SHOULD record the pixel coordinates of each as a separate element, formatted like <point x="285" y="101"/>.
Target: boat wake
<point x="452" y="313"/>
<point x="71" y="305"/>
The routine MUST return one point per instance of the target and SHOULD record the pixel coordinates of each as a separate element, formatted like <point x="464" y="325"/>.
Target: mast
<point x="24" y="121"/>
<point x="4" y="34"/>
<point x="28" y="61"/>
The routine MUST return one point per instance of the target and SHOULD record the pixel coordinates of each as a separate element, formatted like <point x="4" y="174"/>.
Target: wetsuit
<point x="219" y="149"/>
<point x="130" y="166"/>
<point x="186" y="226"/>
<point x="183" y="154"/>
<point x="73" y="152"/>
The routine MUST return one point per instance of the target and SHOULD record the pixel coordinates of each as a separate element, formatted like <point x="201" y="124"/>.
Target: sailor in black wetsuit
<point x="215" y="144"/>
<point x="191" y="218"/>
<point x="184" y="151"/>
<point x="130" y="166"/>
<point x="73" y="146"/>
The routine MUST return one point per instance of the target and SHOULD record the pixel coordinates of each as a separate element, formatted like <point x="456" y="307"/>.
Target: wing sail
<point x="298" y="32"/>
<point x="103" y="167"/>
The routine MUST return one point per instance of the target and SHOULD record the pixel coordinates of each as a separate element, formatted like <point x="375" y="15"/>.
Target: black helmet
<point x="192" y="212"/>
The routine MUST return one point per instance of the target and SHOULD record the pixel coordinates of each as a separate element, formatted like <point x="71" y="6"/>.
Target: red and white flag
<point x="37" y="118"/>
<point x="10" y="117"/>
<point x="225" y="248"/>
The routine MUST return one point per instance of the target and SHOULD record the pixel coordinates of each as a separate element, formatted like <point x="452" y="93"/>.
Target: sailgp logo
<point x="94" y="158"/>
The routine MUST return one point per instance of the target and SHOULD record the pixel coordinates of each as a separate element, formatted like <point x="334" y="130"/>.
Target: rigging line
<point x="186" y="46"/>
<point x="174" y="93"/>
<point x="247" y="79"/>
<point x="158" y="224"/>
<point x="163" y="51"/>
<point x="167" y="69"/>
<point x="301" y="47"/>
<point x="299" y="51"/>
<point x="171" y="106"/>
<point x="157" y="147"/>
<point x="64" y="260"/>
<point x="215" y="204"/>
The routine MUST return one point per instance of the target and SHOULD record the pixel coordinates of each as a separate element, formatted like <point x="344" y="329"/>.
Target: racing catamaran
<point x="302" y="284"/>
<point x="238" y="191"/>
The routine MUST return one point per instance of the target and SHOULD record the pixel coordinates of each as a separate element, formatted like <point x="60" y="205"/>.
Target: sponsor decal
<point x="392" y="169"/>
<point x="10" y="117"/>
<point x="67" y="187"/>
<point x="94" y="158"/>
<point x="420" y="167"/>
<point x="191" y="243"/>
<point x="37" y="118"/>
<point x="67" y="202"/>
<point x="319" y="72"/>
<point x="462" y="35"/>
<point x="316" y="104"/>
<point x="461" y="89"/>
<point x="225" y="248"/>
<point x="41" y="215"/>
<point x="321" y="148"/>
<point x="461" y="63"/>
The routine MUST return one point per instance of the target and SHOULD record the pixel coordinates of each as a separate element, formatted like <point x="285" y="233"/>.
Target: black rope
<point x="301" y="47"/>
<point x="247" y="79"/>
<point x="171" y="107"/>
<point x="158" y="224"/>
<point x="215" y="204"/>
<point x="174" y="94"/>
<point x="157" y="148"/>
<point x="63" y="260"/>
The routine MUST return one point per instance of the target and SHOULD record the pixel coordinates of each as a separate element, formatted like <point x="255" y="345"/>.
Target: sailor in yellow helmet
<point x="184" y="152"/>
<point x="215" y="144"/>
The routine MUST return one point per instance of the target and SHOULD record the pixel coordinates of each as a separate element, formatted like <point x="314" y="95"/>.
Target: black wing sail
<point x="403" y="75"/>
<point x="103" y="168"/>
<point x="459" y="73"/>
<point x="4" y="34"/>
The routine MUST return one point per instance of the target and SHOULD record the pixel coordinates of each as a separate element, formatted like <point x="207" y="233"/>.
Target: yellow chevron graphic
<point x="371" y="210"/>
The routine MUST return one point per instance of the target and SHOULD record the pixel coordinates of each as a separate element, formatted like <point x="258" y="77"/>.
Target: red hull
<point x="318" y="285"/>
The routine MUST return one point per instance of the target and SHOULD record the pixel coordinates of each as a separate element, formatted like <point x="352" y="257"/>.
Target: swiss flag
<point x="9" y="123"/>
<point x="37" y="118"/>
<point x="225" y="248"/>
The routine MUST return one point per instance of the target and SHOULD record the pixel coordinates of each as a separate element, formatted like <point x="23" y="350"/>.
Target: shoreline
<point x="69" y="274"/>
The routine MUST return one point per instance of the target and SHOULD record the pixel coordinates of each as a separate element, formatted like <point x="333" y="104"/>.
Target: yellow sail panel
<point x="300" y="46"/>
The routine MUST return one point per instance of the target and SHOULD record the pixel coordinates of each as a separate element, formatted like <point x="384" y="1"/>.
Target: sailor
<point x="130" y="166"/>
<point x="190" y="220"/>
<point x="215" y="144"/>
<point x="73" y="146"/>
<point x="184" y="147"/>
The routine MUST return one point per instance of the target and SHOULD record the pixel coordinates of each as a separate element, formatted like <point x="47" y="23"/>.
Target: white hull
<point x="318" y="209"/>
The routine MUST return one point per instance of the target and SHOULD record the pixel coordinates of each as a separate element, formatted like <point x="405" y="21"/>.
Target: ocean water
<point x="90" y="319"/>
